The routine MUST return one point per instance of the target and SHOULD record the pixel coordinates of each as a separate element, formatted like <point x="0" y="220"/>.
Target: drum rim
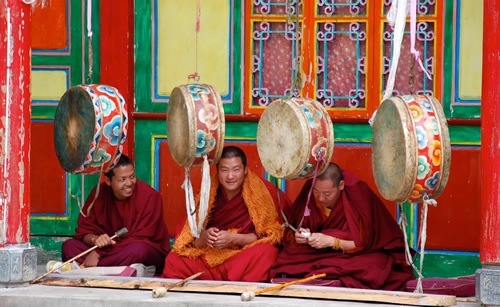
<point x="123" y="127"/>
<point x="106" y="166"/>
<point x="280" y="105"/>
<point x="331" y="139"/>
<point x="307" y="137"/>
<point x="222" y="126"/>
<point x="410" y="173"/>
<point x="445" y="147"/>
<point x="305" y="150"/>
<point x="191" y="159"/>
<point x="187" y="99"/>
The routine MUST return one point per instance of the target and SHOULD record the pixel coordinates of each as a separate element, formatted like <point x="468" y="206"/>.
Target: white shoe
<point x="143" y="271"/>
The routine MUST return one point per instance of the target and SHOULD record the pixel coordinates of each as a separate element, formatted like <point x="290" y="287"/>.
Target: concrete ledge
<point x="49" y="296"/>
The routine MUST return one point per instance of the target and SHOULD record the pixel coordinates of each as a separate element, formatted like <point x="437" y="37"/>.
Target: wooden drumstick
<point x="248" y="296"/>
<point x="161" y="291"/>
<point x="120" y="232"/>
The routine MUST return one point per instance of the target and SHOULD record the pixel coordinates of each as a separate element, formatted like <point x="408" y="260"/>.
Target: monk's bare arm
<point x="320" y="240"/>
<point x="101" y="241"/>
<point x="90" y="239"/>
<point x="225" y="239"/>
<point x="242" y="239"/>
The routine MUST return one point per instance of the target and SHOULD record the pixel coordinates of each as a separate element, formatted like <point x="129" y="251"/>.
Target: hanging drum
<point x="294" y="137"/>
<point x="195" y="124"/>
<point x="90" y="127"/>
<point x="411" y="150"/>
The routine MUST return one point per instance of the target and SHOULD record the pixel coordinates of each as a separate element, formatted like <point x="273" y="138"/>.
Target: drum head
<point x="180" y="126"/>
<point x="74" y="124"/>
<point x="283" y="140"/>
<point x="394" y="158"/>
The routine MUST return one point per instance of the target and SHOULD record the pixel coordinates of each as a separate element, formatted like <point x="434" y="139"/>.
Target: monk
<point x="345" y="232"/>
<point x="241" y="231"/>
<point x="122" y="201"/>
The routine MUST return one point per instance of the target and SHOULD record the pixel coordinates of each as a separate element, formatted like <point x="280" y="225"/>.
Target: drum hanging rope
<point x="197" y="214"/>
<point x="297" y="62"/>
<point x="90" y="52"/>
<point x="196" y="76"/>
<point x="397" y="19"/>
<point x="403" y="223"/>
<point x="307" y="211"/>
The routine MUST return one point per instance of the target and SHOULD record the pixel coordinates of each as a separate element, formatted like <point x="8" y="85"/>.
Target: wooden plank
<point x="299" y="291"/>
<point x="105" y="283"/>
<point x="332" y="293"/>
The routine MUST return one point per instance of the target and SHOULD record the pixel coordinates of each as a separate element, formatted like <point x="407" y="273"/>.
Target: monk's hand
<point x="103" y="241"/>
<point x="300" y="235"/>
<point x="319" y="240"/>
<point x="223" y="240"/>
<point x="91" y="260"/>
<point x="211" y="235"/>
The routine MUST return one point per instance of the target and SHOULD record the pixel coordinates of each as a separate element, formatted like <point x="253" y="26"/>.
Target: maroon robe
<point x="234" y="263"/>
<point x="147" y="238"/>
<point x="378" y="262"/>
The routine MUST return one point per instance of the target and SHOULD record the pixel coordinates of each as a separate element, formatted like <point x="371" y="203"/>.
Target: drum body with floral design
<point x="90" y="127"/>
<point x="411" y="150"/>
<point x="195" y="124"/>
<point x="295" y="138"/>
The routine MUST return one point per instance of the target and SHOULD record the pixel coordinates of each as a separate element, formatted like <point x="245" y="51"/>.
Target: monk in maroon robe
<point x="122" y="201"/>
<point x="241" y="232"/>
<point x="346" y="232"/>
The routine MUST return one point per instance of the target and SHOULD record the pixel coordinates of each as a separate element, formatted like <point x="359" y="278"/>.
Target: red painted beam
<point x="117" y="54"/>
<point x="15" y="121"/>
<point x="490" y="136"/>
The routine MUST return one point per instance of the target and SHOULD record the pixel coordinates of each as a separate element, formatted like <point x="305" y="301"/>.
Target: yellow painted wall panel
<point x="470" y="49"/>
<point x="48" y="84"/>
<point x="182" y="52"/>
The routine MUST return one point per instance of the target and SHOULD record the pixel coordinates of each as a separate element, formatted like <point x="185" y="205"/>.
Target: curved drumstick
<point x="248" y="296"/>
<point x="120" y="232"/>
<point x="161" y="291"/>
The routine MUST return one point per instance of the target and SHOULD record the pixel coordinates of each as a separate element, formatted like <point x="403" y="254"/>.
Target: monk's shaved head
<point x="232" y="152"/>
<point x="333" y="173"/>
<point x="123" y="161"/>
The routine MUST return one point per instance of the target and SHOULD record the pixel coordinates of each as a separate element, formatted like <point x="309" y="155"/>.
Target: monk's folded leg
<point x="251" y="264"/>
<point x="134" y="253"/>
<point x="182" y="267"/>
<point x="73" y="247"/>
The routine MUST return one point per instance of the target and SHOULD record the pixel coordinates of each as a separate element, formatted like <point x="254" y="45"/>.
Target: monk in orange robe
<point x="346" y="232"/>
<point x="241" y="231"/>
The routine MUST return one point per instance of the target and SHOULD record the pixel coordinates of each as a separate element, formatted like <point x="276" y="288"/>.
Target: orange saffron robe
<point x="254" y="210"/>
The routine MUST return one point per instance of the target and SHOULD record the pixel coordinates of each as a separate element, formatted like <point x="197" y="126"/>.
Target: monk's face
<point x="326" y="193"/>
<point x="231" y="175"/>
<point x="123" y="181"/>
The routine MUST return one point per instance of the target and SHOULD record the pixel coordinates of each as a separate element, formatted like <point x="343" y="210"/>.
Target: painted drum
<point x="90" y="127"/>
<point x="294" y="136"/>
<point x="411" y="152"/>
<point x="195" y="124"/>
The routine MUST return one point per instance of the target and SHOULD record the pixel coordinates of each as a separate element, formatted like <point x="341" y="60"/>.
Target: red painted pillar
<point x="15" y="125"/>
<point x="489" y="276"/>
